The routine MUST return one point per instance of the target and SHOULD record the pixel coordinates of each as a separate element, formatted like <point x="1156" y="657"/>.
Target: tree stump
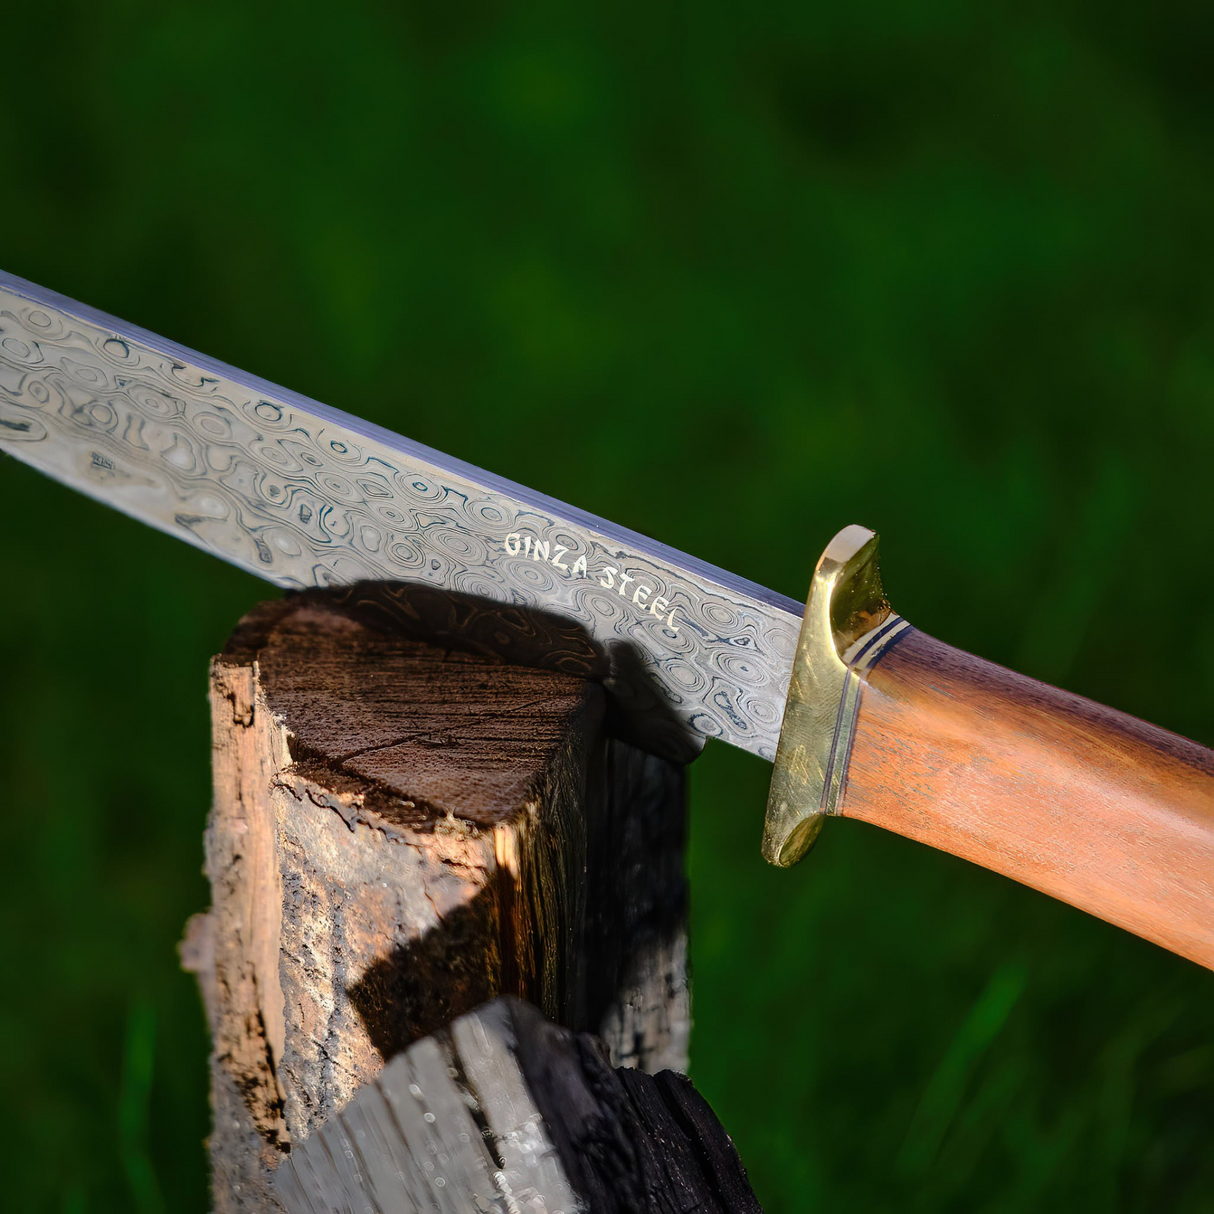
<point x="403" y="830"/>
<point x="507" y="1112"/>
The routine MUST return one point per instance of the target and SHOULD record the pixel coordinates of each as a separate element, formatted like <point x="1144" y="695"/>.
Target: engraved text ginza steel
<point x="610" y="577"/>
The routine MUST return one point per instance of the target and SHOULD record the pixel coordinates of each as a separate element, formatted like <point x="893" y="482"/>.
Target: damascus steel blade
<point x="304" y="495"/>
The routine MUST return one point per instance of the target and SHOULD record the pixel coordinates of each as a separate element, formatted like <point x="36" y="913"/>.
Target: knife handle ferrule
<point x="846" y="615"/>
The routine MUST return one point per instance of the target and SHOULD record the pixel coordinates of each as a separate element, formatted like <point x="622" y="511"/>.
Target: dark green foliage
<point x="954" y="258"/>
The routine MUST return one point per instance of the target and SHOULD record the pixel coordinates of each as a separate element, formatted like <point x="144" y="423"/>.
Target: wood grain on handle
<point x="1095" y="807"/>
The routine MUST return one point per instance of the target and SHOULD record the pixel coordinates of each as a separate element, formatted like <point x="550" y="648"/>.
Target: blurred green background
<point x="730" y="275"/>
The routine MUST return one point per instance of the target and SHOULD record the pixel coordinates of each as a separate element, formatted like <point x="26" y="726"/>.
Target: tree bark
<point x="400" y="832"/>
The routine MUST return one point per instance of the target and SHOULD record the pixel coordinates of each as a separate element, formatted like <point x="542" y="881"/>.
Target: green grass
<point x="730" y="277"/>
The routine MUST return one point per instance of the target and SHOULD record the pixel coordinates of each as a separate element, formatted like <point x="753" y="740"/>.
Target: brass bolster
<point x="848" y="624"/>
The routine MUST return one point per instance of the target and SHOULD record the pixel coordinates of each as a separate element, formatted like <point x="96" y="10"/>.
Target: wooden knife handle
<point x="1091" y="805"/>
<point x="888" y="725"/>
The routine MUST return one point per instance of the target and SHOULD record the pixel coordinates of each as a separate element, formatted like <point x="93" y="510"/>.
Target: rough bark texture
<point x="507" y="1112"/>
<point x="401" y="832"/>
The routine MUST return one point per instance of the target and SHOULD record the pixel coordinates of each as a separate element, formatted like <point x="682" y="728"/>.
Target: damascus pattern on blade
<point x="304" y="496"/>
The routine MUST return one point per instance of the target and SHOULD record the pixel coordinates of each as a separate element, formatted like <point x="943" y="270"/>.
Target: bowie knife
<point x="863" y="715"/>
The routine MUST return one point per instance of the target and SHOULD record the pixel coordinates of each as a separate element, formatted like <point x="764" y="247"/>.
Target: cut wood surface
<point x="507" y="1112"/>
<point x="1091" y="805"/>
<point x="401" y="832"/>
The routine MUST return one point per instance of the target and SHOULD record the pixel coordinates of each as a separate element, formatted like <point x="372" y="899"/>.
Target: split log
<point x="506" y="1111"/>
<point x="403" y="830"/>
